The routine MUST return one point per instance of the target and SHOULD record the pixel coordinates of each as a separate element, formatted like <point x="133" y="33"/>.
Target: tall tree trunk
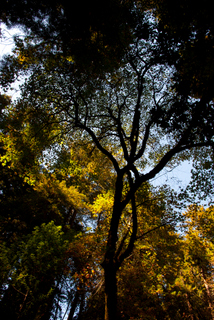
<point x="115" y="255"/>
<point x="110" y="263"/>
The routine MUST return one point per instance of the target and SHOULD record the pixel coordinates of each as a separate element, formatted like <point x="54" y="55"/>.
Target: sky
<point x="6" y="39"/>
<point x="6" y="46"/>
<point x="178" y="176"/>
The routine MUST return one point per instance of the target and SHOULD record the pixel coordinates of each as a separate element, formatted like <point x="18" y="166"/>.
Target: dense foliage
<point x="111" y="95"/>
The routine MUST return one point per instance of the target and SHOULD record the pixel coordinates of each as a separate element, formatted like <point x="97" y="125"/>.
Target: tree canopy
<point x="104" y="108"/>
<point x="94" y="34"/>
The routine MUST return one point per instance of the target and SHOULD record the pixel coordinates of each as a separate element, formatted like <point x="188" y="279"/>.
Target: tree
<point x="33" y="258"/>
<point x="94" y="35"/>
<point x="191" y="29"/>
<point x="155" y="226"/>
<point x="33" y="275"/>
<point x="162" y="278"/>
<point x="44" y="208"/>
<point x="199" y="225"/>
<point x="201" y="188"/>
<point x="136" y="116"/>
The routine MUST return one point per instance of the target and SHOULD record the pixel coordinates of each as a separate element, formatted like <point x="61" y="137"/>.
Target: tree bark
<point x="110" y="293"/>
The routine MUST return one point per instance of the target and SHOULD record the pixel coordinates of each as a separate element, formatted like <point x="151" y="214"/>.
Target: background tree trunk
<point x="208" y="294"/>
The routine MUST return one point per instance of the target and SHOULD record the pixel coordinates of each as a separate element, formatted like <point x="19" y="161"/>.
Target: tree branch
<point x="149" y="231"/>
<point x="99" y="146"/>
<point x="162" y="163"/>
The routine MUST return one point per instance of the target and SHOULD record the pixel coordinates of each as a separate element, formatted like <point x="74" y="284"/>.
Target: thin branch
<point x="136" y="119"/>
<point x="145" y="139"/>
<point x="151" y="230"/>
<point x="120" y="131"/>
<point x="98" y="287"/>
<point x="99" y="146"/>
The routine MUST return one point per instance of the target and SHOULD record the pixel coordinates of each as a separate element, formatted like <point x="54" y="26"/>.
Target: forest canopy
<point x="111" y="95"/>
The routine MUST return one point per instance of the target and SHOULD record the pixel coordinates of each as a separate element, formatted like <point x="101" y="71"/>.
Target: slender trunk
<point x="208" y="294"/>
<point x="73" y="306"/>
<point x="81" y="307"/>
<point x="189" y="307"/>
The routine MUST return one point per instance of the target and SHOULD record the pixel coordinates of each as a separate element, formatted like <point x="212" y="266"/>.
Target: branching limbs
<point x="129" y="127"/>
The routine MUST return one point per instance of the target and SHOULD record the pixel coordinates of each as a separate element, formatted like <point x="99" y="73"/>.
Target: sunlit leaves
<point x="103" y="203"/>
